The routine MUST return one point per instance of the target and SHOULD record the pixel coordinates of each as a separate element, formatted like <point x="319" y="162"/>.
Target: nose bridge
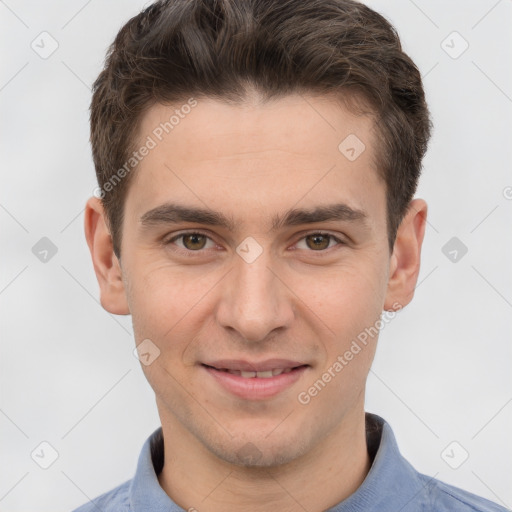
<point x="254" y="301"/>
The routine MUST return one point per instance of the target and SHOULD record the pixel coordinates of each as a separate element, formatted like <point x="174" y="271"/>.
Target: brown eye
<point x="318" y="241"/>
<point x="194" y="241"/>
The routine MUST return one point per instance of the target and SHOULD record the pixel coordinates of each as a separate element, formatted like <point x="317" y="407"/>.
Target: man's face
<point x="236" y="297"/>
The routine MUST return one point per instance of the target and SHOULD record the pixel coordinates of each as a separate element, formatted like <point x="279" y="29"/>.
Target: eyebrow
<point x="172" y="213"/>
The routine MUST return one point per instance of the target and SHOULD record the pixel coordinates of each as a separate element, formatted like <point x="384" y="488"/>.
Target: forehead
<point x="256" y="157"/>
<point x="306" y="125"/>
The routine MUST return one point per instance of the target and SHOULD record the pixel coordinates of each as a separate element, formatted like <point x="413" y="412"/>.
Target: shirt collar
<point x="391" y="484"/>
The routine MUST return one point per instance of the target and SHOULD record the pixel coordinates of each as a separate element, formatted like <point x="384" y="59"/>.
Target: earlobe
<point x="405" y="260"/>
<point x="106" y="265"/>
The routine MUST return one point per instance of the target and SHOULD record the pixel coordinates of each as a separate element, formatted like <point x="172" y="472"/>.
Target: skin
<point x="295" y="301"/>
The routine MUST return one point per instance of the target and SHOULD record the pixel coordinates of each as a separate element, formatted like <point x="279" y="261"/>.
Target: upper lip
<point x="253" y="366"/>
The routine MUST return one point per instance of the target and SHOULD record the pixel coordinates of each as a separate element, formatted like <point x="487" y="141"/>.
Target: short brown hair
<point x="177" y="49"/>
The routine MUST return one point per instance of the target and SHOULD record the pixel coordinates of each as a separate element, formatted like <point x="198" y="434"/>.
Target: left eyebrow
<point x="171" y="213"/>
<point x="330" y="212"/>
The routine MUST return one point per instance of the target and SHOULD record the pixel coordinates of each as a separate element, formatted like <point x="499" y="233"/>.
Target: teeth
<point x="262" y="375"/>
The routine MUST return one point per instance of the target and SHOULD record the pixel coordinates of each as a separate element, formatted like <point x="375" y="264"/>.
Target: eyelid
<point x="168" y="241"/>
<point x="188" y="232"/>
<point x="340" y="242"/>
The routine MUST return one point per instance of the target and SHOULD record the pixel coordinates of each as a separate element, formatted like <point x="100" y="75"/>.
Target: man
<point x="257" y="162"/>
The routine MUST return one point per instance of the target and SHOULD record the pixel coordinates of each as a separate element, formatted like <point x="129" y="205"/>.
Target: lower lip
<point x="255" y="388"/>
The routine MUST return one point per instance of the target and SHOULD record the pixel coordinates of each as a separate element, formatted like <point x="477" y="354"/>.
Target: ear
<point x="106" y="265"/>
<point x="405" y="260"/>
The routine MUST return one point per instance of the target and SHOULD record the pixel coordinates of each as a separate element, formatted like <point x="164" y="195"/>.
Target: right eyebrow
<point x="171" y="213"/>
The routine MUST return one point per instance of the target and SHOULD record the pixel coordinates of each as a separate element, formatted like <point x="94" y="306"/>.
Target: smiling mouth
<point x="267" y="374"/>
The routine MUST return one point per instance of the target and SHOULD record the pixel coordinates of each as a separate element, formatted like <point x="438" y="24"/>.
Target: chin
<point x="259" y="452"/>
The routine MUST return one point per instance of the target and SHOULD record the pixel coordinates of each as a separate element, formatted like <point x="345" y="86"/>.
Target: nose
<point x="255" y="300"/>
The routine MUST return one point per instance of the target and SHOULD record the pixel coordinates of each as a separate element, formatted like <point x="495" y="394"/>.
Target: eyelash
<point x="192" y="254"/>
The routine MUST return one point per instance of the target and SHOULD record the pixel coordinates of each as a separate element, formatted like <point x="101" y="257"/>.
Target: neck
<point x="196" y="479"/>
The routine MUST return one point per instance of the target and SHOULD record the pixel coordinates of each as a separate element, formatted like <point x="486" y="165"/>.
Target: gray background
<point x="68" y="375"/>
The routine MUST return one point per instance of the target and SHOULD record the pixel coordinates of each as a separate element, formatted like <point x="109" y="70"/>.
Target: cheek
<point x="171" y="304"/>
<point x="350" y="306"/>
<point x="165" y="302"/>
<point x="347" y="298"/>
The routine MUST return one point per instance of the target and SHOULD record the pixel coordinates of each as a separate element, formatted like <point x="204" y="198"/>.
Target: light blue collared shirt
<point x="392" y="484"/>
